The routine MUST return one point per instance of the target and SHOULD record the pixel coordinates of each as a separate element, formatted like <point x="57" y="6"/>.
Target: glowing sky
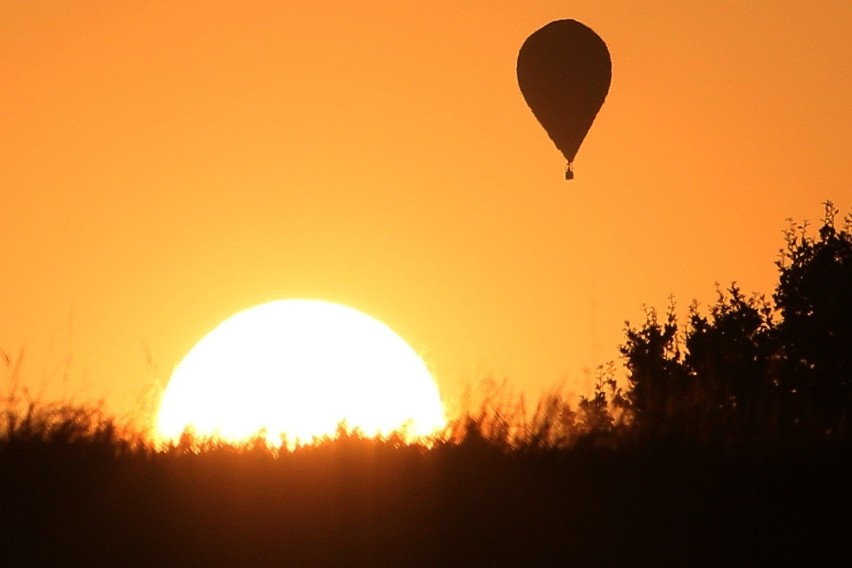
<point x="164" y="165"/>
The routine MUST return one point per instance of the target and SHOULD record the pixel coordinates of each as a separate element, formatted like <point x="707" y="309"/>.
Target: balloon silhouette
<point x="564" y="71"/>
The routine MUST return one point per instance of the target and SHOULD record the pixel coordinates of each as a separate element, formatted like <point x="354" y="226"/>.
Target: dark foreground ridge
<point x="360" y="502"/>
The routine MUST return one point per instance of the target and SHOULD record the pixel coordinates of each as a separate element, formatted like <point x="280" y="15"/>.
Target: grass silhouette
<point x="497" y="488"/>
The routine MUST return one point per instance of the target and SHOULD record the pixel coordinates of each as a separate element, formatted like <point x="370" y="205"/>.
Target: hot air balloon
<point x="564" y="71"/>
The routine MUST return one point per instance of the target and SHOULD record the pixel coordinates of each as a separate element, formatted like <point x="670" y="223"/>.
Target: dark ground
<point x="359" y="503"/>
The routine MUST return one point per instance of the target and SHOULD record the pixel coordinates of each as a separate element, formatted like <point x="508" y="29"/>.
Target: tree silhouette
<point x="656" y="376"/>
<point x="752" y="371"/>
<point x="814" y="297"/>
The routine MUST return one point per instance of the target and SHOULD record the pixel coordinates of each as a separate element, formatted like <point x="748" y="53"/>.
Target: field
<point x="76" y="490"/>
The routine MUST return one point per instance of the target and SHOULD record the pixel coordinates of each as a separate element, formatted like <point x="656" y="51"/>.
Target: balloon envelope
<point x="564" y="72"/>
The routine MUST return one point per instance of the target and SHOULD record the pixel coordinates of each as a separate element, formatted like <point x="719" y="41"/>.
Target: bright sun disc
<point x="298" y="368"/>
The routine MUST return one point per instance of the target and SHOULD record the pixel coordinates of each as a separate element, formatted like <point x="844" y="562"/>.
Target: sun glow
<point x="297" y="369"/>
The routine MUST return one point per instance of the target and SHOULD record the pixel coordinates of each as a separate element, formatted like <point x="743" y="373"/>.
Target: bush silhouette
<point x="814" y="297"/>
<point x="752" y="370"/>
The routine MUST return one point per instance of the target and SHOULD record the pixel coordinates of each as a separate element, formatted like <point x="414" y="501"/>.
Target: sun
<point x="297" y="369"/>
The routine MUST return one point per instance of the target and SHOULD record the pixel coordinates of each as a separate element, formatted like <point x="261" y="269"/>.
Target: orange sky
<point x="166" y="164"/>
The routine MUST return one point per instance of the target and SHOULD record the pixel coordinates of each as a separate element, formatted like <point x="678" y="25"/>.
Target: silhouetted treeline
<point x="754" y="369"/>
